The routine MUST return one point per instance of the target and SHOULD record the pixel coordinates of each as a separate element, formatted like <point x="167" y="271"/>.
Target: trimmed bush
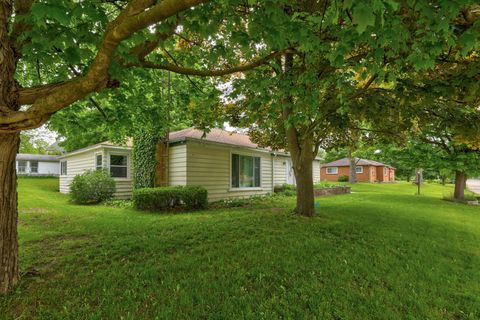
<point x="343" y="179"/>
<point x="92" y="187"/>
<point x="169" y="198"/>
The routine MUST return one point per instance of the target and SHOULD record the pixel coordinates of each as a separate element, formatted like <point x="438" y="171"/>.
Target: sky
<point x="44" y="133"/>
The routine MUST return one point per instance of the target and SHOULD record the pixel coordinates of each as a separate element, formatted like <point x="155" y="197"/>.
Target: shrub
<point x="285" y="188"/>
<point x="168" y="198"/>
<point x="92" y="187"/>
<point x="325" y="184"/>
<point x="118" y="203"/>
<point x="342" y="179"/>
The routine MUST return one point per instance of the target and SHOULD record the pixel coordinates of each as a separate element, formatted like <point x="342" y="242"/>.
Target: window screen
<point x="118" y="166"/>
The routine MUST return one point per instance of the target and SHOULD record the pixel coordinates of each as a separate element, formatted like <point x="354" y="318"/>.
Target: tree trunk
<point x="9" y="143"/>
<point x="302" y="152"/>
<point x="443" y="180"/>
<point x="353" y="168"/>
<point x="460" y="182"/>
<point x="304" y="179"/>
<point x="9" y="275"/>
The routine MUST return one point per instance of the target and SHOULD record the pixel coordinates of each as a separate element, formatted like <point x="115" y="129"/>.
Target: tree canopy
<point x="322" y="68"/>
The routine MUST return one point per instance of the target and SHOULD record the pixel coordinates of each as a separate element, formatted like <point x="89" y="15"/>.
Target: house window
<point x="118" y="166"/>
<point x="63" y="168"/>
<point x="384" y="171"/>
<point x="33" y="166"/>
<point x="332" y="170"/>
<point x="22" y="166"/>
<point x="245" y="171"/>
<point x="359" y="169"/>
<point x="98" y="162"/>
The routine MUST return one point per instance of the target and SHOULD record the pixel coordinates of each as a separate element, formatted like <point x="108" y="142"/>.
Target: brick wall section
<point x="366" y="176"/>
<point x="385" y="174"/>
<point x="370" y="174"/>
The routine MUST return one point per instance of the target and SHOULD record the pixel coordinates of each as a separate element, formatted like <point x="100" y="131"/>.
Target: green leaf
<point x="363" y="17"/>
<point x="467" y="42"/>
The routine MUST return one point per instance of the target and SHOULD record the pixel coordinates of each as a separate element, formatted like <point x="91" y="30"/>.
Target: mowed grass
<point x="379" y="253"/>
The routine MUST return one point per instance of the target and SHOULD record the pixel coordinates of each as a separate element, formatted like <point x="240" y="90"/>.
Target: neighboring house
<point x="228" y="164"/>
<point x="37" y="165"/>
<point x="56" y="148"/>
<point x="367" y="170"/>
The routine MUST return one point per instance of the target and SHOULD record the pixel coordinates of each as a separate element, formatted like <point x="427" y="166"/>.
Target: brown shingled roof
<point x="345" y="162"/>
<point x="215" y="135"/>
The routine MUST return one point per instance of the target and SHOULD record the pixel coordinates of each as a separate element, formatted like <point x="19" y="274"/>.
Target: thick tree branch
<point x="137" y="15"/>
<point x="27" y="96"/>
<point x="206" y="73"/>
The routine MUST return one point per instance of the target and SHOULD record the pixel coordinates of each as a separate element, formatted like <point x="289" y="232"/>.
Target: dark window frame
<point x="24" y="167"/>
<point x="98" y="166"/>
<point x="235" y="171"/>
<point x="63" y="168"/>
<point x="32" y="166"/>
<point x="114" y="173"/>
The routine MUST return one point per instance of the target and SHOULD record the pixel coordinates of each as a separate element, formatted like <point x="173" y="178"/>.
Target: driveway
<point x="474" y="185"/>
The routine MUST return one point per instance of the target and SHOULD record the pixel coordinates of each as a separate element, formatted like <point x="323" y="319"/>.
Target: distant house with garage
<point x="366" y="170"/>
<point x="37" y="165"/>
<point x="228" y="165"/>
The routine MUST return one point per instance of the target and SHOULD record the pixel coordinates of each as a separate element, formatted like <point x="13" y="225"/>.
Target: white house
<point x="227" y="164"/>
<point x="37" y="164"/>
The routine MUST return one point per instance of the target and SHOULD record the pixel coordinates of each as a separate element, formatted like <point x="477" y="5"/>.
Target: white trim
<point x="358" y="167"/>
<point x="94" y="147"/>
<point x="336" y="170"/>
<point x="246" y="189"/>
<point x="109" y="154"/>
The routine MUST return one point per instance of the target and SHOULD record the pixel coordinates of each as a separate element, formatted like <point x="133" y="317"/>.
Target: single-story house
<point x="37" y="164"/>
<point x="367" y="170"/>
<point x="228" y="164"/>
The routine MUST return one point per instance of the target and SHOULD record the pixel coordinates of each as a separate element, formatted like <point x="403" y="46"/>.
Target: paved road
<point x="474" y="185"/>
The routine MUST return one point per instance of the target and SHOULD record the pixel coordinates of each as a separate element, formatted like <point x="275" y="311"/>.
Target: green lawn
<point x="379" y="253"/>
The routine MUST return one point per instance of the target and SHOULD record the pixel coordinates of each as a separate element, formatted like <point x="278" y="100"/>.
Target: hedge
<point x="169" y="198"/>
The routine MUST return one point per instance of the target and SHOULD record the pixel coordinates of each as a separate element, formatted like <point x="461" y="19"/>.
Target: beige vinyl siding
<point x="76" y="164"/>
<point x="208" y="165"/>
<point x="79" y="163"/>
<point x="177" y="165"/>
<point x="316" y="171"/>
<point x="279" y="170"/>
<point x="124" y="189"/>
<point x="124" y="186"/>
